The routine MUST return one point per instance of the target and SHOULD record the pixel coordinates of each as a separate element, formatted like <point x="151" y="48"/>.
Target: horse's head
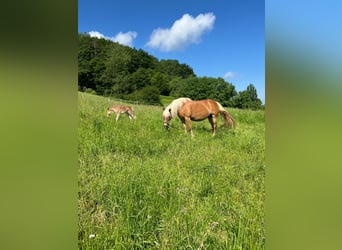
<point x="167" y="116"/>
<point x="109" y="112"/>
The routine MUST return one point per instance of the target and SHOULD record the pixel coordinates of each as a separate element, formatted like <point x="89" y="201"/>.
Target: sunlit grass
<point x="141" y="186"/>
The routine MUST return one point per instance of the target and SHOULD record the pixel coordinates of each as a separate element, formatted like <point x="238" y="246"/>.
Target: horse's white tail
<point x="228" y="119"/>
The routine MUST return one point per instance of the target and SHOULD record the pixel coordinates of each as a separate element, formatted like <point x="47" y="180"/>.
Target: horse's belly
<point x="197" y="119"/>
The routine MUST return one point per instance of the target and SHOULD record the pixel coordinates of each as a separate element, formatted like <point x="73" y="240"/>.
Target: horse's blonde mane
<point x="175" y="105"/>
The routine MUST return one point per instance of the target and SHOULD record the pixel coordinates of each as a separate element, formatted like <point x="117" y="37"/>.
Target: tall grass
<point x="141" y="187"/>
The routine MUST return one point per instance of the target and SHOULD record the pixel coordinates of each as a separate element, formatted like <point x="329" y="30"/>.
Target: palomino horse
<point x="172" y="110"/>
<point x="200" y="110"/>
<point x="121" y="109"/>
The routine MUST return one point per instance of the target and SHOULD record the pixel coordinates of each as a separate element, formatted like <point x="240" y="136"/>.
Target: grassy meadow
<point x="142" y="187"/>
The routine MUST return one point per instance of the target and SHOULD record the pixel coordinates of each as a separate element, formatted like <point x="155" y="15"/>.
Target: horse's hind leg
<point x="213" y="121"/>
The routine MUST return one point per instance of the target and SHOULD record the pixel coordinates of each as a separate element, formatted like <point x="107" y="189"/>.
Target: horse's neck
<point x="175" y="106"/>
<point x="174" y="109"/>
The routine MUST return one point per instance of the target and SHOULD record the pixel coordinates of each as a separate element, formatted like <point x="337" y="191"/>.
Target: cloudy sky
<point x="216" y="38"/>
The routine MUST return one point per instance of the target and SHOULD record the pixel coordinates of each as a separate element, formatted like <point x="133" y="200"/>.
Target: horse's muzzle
<point x="166" y="125"/>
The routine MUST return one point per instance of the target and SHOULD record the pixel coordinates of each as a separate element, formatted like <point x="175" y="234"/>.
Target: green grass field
<point x="142" y="187"/>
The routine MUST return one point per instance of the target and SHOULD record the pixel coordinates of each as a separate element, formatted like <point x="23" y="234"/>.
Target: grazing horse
<point x="172" y="110"/>
<point x="200" y="110"/>
<point x="121" y="109"/>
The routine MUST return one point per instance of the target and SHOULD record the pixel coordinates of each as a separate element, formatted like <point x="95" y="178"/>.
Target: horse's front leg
<point x="184" y="127"/>
<point x="188" y="123"/>
<point x="183" y="124"/>
<point x="118" y="116"/>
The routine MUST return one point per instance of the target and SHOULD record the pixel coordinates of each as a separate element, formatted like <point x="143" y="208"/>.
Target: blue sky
<point x="216" y="38"/>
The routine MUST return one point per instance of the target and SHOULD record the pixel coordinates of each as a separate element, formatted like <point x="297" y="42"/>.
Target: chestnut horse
<point x="200" y="110"/>
<point x="121" y="109"/>
<point x="172" y="110"/>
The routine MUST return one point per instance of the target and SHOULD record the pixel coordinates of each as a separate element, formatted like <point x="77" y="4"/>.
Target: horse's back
<point x="199" y="104"/>
<point x="195" y="110"/>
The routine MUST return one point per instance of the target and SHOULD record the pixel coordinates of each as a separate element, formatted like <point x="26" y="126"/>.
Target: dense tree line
<point x="110" y="69"/>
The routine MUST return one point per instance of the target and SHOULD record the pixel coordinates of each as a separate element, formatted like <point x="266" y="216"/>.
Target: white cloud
<point x="96" y="34"/>
<point x="229" y="75"/>
<point x="183" y="32"/>
<point x="125" y="38"/>
<point x="122" y="38"/>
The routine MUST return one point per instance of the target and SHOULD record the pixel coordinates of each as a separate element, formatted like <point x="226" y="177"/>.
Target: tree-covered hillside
<point x="110" y="69"/>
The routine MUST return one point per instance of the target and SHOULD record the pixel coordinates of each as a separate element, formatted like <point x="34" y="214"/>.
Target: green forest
<point x="107" y="68"/>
